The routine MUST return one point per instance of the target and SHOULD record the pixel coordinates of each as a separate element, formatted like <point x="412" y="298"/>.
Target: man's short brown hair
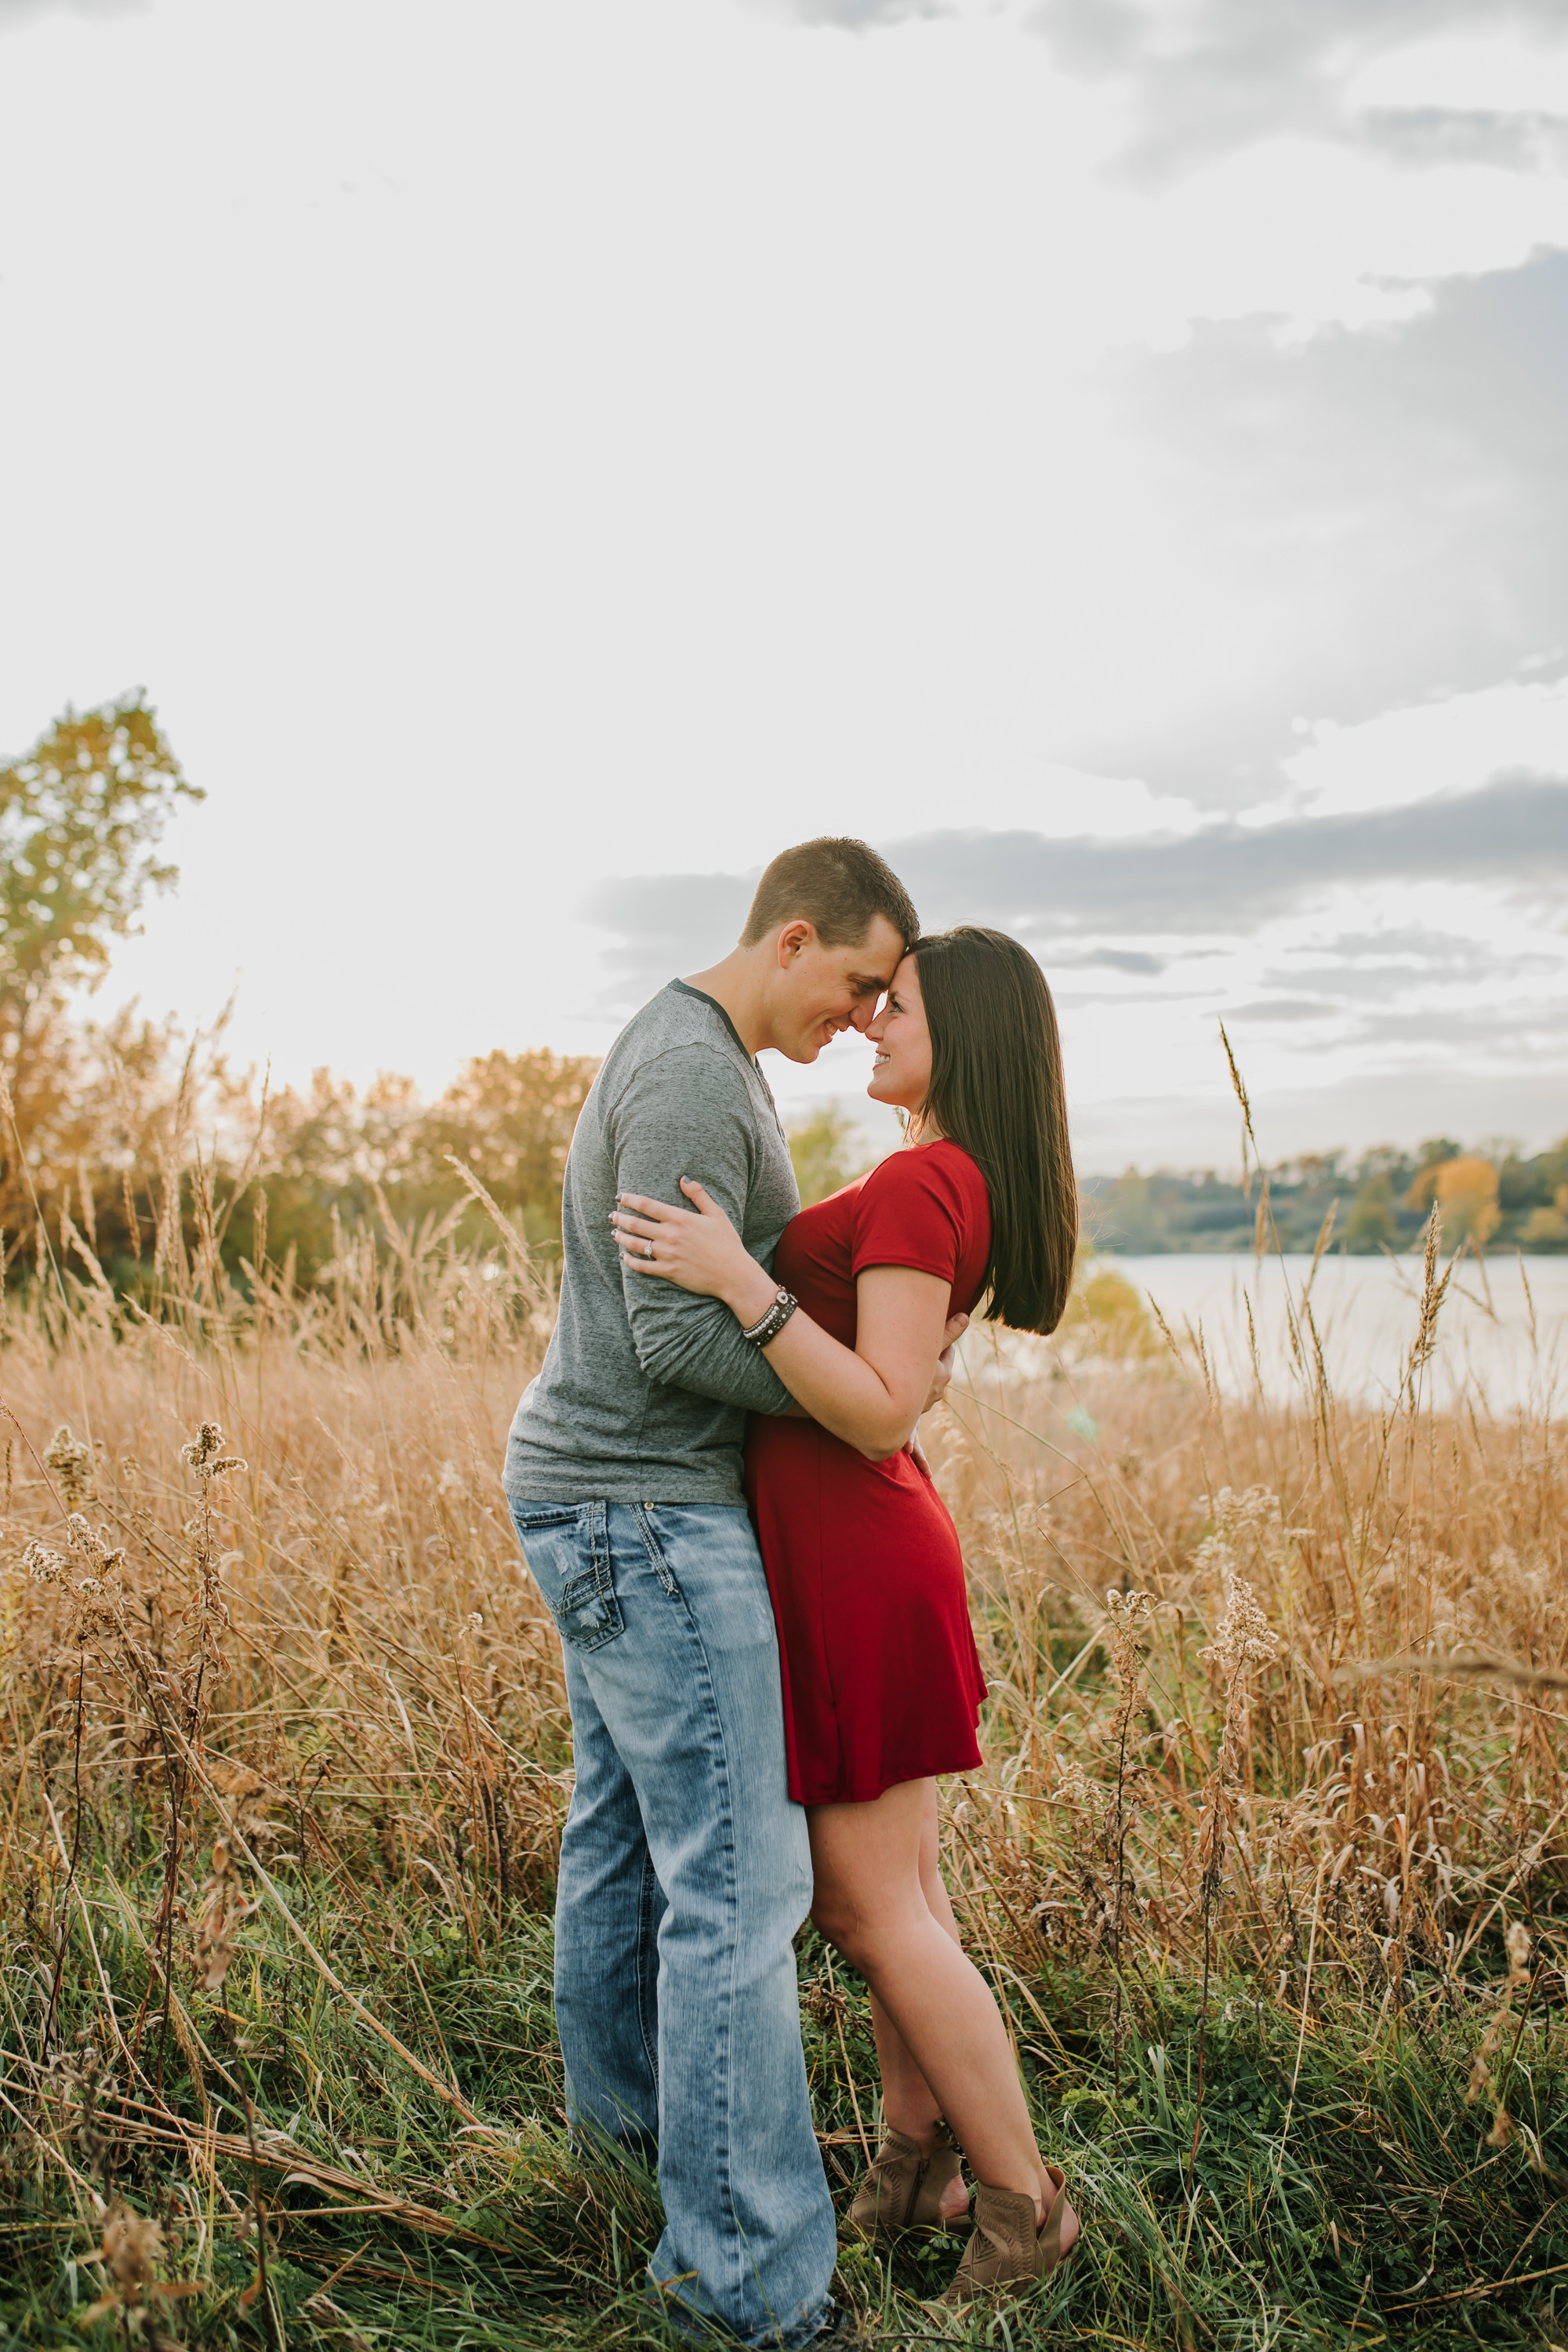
<point x="838" y="886"/>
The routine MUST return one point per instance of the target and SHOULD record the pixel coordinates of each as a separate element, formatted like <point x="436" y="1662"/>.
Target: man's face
<point x="819" y="991"/>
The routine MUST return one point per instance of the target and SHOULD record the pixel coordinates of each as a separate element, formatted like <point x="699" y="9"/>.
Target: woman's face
<point x="901" y="1074"/>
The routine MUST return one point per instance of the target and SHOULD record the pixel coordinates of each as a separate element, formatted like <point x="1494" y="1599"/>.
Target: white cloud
<point x="1498" y="71"/>
<point x="521" y="445"/>
<point x="1321" y="235"/>
<point x="1451" y="746"/>
<point x="1063" y="803"/>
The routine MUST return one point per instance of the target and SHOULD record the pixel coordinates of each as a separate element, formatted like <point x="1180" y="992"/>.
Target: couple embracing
<point x="760" y="1593"/>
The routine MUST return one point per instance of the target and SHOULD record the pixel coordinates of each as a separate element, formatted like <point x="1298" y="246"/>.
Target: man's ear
<point x="793" y="939"/>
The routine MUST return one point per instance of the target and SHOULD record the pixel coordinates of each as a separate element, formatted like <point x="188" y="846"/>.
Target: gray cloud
<point x="1393" y="505"/>
<point x="19" y="12"/>
<point x="663" y="925"/>
<point x="1367" y="967"/>
<point x="1425" y="136"/>
<point x="1285" y="1009"/>
<point x="1209" y="78"/>
<point x="1232" y="879"/>
<point x="1406" y="1038"/>
<point x="1228" y="880"/>
<point x="1229" y="72"/>
<point x="862" y="15"/>
<point x="1135" y="962"/>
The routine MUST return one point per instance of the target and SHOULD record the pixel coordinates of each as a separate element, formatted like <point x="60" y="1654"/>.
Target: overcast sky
<point x="541" y="458"/>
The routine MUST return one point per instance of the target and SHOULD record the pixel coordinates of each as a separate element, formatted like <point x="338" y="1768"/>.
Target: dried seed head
<point x="1081" y="1793"/>
<point x="1127" y="1616"/>
<point x="92" y="1547"/>
<point x="79" y="2078"/>
<point x="132" y="2246"/>
<point x="70" y="1460"/>
<point x="220" y="1918"/>
<point x="44" y="1566"/>
<point x="1244" y="1636"/>
<point x="205" y="1453"/>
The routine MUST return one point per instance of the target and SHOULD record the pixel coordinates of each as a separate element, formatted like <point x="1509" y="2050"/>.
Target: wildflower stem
<point x="70" y="1868"/>
<point x="269" y="2316"/>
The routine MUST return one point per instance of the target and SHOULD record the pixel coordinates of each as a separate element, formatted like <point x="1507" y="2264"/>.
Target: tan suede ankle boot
<point x="903" y="2189"/>
<point x="1006" y="2252"/>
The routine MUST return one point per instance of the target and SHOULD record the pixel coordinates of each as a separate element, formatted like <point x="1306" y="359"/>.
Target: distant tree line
<point x="1491" y="1198"/>
<point x="125" y="1154"/>
<point x="166" y="1155"/>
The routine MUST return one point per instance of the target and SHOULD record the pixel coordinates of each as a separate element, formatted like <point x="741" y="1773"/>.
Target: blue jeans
<point x="685" y="1871"/>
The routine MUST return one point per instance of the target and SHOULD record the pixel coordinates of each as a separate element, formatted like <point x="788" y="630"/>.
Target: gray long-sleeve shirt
<point x="646" y="1388"/>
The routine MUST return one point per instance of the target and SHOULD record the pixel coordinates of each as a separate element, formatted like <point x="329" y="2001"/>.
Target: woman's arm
<point x="873" y="1395"/>
<point x="870" y="1395"/>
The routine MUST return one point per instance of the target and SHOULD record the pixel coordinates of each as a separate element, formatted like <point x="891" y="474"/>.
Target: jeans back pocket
<point x="589" y="1615"/>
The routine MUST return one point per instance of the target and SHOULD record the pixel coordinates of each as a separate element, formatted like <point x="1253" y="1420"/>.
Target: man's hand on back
<point x="956" y="1327"/>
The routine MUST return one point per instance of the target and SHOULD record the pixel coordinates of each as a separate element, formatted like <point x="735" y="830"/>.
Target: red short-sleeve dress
<point x="881" y="1682"/>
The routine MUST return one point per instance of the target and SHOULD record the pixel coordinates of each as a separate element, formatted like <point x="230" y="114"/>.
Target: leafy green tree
<point x="81" y="816"/>
<point x="509" y="1119"/>
<point x="1108" y="1313"/>
<point x="329" y="1153"/>
<point x="1547" y="1228"/>
<point x="822" y="1149"/>
<point x="1372" y="1224"/>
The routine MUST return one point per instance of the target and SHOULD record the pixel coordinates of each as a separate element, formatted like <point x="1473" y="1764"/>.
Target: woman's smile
<point x="902" y="1077"/>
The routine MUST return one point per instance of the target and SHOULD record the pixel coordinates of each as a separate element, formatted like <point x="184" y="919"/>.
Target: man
<point x="685" y="1869"/>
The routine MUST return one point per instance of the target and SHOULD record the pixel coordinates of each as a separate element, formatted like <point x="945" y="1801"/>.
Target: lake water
<point x="1367" y="1310"/>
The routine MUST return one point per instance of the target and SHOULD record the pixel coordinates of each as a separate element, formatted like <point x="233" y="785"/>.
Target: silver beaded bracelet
<point x="773" y="1321"/>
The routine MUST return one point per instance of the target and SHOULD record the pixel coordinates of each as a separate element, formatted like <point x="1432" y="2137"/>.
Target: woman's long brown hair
<point x="996" y="1091"/>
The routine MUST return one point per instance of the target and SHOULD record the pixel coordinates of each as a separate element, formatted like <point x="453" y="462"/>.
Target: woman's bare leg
<point x="908" y="2103"/>
<point x="872" y="1903"/>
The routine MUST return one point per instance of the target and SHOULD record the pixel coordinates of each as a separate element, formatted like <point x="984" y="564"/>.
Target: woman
<point x="881" y="1683"/>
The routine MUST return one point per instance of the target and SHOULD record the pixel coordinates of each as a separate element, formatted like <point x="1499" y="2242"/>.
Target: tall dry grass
<point x="1341" y="1731"/>
<point x="1273" y="1828"/>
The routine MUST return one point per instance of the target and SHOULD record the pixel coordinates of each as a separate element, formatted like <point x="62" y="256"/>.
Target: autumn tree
<point x="1467" y="1201"/>
<point x="335" y="1160"/>
<point x="1433" y="1154"/>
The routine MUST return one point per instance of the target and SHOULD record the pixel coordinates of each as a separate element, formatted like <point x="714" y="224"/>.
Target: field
<point x="1269" y="1866"/>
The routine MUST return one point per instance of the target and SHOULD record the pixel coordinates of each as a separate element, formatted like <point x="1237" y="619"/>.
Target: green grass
<point x="1342" y="2193"/>
<point x="331" y="1661"/>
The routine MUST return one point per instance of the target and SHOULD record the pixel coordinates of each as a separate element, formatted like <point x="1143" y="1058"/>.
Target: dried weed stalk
<point x="1484" y="2082"/>
<point x="1127" y="1620"/>
<point x="1243" y="1640"/>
